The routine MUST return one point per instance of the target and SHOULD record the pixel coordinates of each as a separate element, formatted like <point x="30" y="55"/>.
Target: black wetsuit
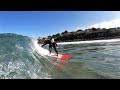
<point x="51" y="45"/>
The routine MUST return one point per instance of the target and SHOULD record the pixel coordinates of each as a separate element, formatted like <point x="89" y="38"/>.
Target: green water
<point x="91" y="61"/>
<point x="22" y="58"/>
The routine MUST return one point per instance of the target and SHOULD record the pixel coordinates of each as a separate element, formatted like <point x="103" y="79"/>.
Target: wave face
<point x="19" y="58"/>
<point x="22" y="58"/>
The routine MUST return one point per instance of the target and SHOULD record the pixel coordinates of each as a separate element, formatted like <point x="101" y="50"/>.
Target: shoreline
<point x="100" y="38"/>
<point x="86" y="35"/>
<point x="90" y="41"/>
<point x="87" y="40"/>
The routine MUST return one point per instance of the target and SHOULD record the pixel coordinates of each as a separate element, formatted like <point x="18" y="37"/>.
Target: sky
<point x="44" y="23"/>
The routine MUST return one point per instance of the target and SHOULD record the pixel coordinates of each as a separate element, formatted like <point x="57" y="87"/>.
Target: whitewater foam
<point x="93" y="41"/>
<point x="42" y="51"/>
<point x="39" y="48"/>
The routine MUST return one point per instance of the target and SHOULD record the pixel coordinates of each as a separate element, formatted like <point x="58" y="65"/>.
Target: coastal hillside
<point x="83" y="35"/>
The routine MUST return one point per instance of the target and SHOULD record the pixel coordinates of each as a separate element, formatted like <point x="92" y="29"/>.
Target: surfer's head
<point x="52" y="39"/>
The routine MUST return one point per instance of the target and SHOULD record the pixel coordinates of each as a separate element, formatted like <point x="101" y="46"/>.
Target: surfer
<point x="51" y="43"/>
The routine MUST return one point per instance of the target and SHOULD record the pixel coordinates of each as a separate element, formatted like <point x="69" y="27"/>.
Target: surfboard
<point x="61" y="56"/>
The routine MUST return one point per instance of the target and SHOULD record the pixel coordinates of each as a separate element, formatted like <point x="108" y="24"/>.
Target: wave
<point x="40" y="49"/>
<point x="22" y="58"/>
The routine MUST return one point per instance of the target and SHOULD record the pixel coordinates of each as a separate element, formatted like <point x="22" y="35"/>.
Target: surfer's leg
<point x="50" y="48"/>
<point x="55" y="49"/>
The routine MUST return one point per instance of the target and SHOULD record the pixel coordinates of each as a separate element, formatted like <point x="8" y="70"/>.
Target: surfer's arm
<point x="56" y="44"/>
<point x="44" y="44"/>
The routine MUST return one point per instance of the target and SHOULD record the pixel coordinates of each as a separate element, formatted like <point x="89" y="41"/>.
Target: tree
<point x="79" y="30"/>
<point x="49" y="37"/>
<point x="65" y="32"/>
<point x="94" y="29"/>
<point x="53" y="36"/>
<point x="58" y="34"/>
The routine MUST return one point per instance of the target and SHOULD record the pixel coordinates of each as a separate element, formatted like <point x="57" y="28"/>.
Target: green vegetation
<point x="82" y="35"/>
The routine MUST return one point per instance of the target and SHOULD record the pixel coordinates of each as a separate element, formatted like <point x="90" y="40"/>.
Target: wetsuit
<point x="51" y="45"/>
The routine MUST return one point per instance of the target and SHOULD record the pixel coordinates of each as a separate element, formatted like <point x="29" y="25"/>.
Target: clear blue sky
<point x="44" y="23"/>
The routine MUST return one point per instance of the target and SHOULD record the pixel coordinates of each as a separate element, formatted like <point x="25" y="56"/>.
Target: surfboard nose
<point x="65" y="56"/>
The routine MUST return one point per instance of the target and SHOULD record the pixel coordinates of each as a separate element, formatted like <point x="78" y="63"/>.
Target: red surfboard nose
<point x="65" y="56"/>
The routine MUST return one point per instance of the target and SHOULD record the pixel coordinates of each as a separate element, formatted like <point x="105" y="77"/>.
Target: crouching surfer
<point x="51" y="43"/>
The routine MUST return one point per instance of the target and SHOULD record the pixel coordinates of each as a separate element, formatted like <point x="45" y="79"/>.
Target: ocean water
<point x="22" y="58"/>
